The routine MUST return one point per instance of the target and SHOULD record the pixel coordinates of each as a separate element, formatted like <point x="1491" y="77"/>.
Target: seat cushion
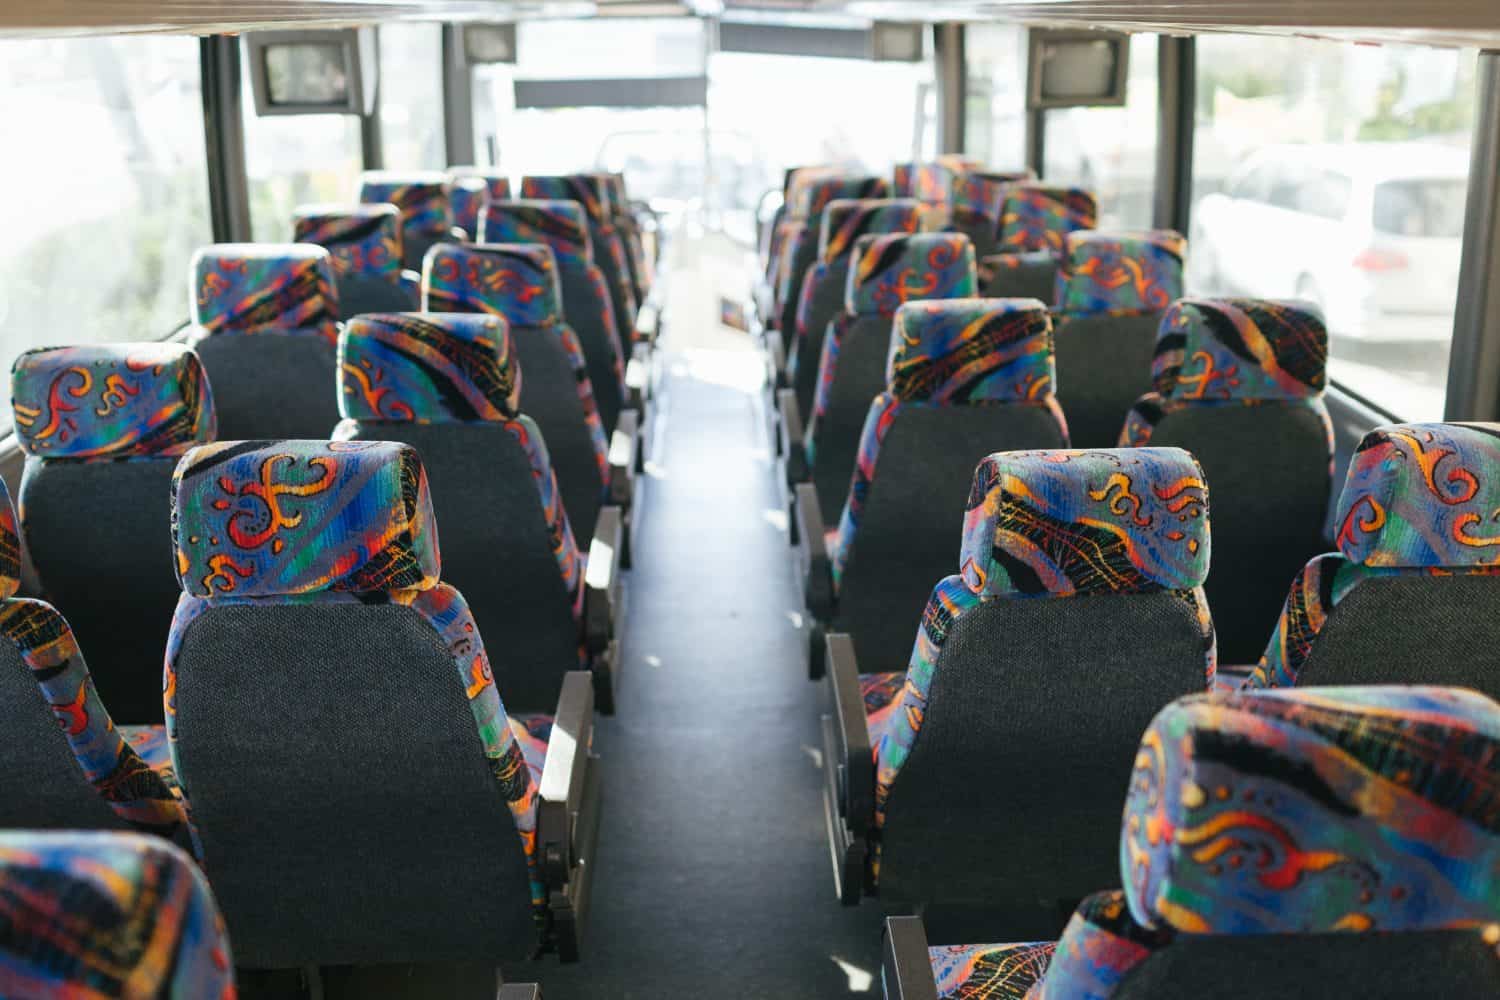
<point x="881" y="693"/>
<point x="533" y="732"/>
<point x="989" y="971"/>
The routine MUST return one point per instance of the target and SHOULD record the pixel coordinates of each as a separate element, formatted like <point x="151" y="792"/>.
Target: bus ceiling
<point x="1461" y="23"/>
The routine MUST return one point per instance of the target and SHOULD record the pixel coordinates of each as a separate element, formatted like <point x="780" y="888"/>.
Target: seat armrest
<point x="622" y="445"/>
<point x="561" y="793"/>
<point x="638" y="377"/>
<point x="647" y="319"/>
<point x="519" y="991"/>
<point x="817" y="570"/>
<point x="790" y="430"/>
<point x="776" y="356"/>
<point x="905" y="965"/>
<point x="856" y="763"/>
<point x="601" y="579"/>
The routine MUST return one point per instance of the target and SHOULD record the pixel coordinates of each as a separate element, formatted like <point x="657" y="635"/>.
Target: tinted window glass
<point x="1420" y="208"/>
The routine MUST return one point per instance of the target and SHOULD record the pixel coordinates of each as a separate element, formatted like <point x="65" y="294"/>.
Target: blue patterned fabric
<point x="255" y="519"/>
<point x="90" y="915"/>
<point x="1120" y="273"/>
<point x="560" y="225"/>
<point x="111" y="401"/>
<point x="846" y="220"/>
<point x="978" y="198"/>
<point x="361" y="239"/>
<point x="517" y="281"/>
<point x="471" y="190"/>
<point x="1100" y="946"/>
<point x="421" y="197"/>
<point x="1038" y="217"/>
<point x="252" y="288"/>
<point x="572" y="187"/>
<point x="892" y="269"/>
<point x="428" y="368"/>
<point x="1058" y="523"/>
<point x="988" y="971"/>
<point x="947" y="351"/>
<point x="816" y="195"/>
<point x="1320" y="810"/>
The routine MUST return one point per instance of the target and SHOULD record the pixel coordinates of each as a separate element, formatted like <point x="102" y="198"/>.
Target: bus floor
<point x="713" y="874"/>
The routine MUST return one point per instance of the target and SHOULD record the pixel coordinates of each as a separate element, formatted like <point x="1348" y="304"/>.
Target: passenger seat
<point x="803" y="248"/>
<point x="1336" y="842"/>
<point x="423" y="199"/>
<point x="1112" y="291"/>
<point x="1079" y="613"/>
<point x="1239" y="383"/>
<point x="1035" y="220"/>
<point x="976" y="207"/>
<point x="265" y="323"/>
<point x="448" y="384"/>
<point x="102" y="427"/>
<point x="609" y="252"/>
<point x="472" y="190"/>
<point x="364" y="242"/>
<point x="1413" y="594"/>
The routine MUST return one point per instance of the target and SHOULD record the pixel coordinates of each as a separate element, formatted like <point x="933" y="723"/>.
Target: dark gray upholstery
<point x="365" y="293"/>
<point x="346" y="809"/>
<point x="272" y="386"/>
<point x="1032" y="278"/>
<point x="981" y="231"/>
<point x="41" y="785"/>
<point x="1371" y="966"/>
<point x="1409" y="629"/>
<point x="549" y="395"/>
<point x="1103" y="367"/>
<point x="100" y="536"/>
<point x="859" y="378"/>
<point x="591" y="319"/>
<point x="497" y="552"/>
<point x="414" y="248"/>
<point x="1012" y="789"/>
<point x="909" y="531"/>
<point x="1267" y="466"/>
<point x="802" y="261"/>
<point x="827" y="306"/>
<point x="620" y="294"/>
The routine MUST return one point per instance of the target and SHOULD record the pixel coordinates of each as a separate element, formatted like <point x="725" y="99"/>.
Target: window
<point x="1363" y="154"/>
<point x="296" y="160"/>
<point x="995" y="126"/>
<point x="109" y="191"/>
<point x="411" y="96"/>
<point x="1111" y="151"/>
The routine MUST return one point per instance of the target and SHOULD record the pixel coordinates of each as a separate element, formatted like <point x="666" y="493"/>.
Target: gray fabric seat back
<point x="809" y="209"/>
<point x="549" y="395"/>
<point x="272" y="386"/>
<point x="364" y="243"/>
<point x="823" y="311"/>
<point x="362" y="293"/>
<point x="1019" y="275"/>
<point x="834" y="432"/>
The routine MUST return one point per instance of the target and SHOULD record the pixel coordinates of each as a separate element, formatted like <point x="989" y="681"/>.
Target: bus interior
<point x="979" y="500"/>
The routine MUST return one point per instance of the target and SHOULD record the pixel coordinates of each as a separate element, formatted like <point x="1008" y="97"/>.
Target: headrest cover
<point x="266" y="518"/>
<point x="422" y="198"/>
<point x="1059" y="523"/>
<point x="265" y="288"/>
<point x="892" y="269"/>
<point x="932" y="183"/>
<point x="10" y="546"/>
<point x="111" y="401"/>
<point x="558" y="224"/>
<point x="428" y="368"/>
<point x="570" y="188"/>
<point x="1309" y="811"/>
<point x="515" y="280"/>
<point x="980" y="195"/>
<point x="468" y="195"/>
<point x="814" y="197"/>
<point x="361" y="239"/>
<point x="847" y="219"/>
<point x="1221" y="349"/>
<point x="496" y="184"/>
<point x="904" y="180"/>
<point x="954" y="351"/>
<point x="1038" y="217"/>
<point x="800" y="180"/>
<point x="1423" y="495"/>
<point x="1120" y="272"/>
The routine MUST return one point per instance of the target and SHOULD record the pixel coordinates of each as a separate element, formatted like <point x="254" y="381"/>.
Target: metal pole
<point x="224" y="138"/>
<point x="952" y="72"/>
<point x="458" y="98"/>
<point x="1036" y="141"/>
<point x="1474" y="365"/>
<point x="1176" y="67"/>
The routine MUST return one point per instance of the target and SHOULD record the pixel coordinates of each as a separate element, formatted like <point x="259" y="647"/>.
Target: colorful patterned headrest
<point x="10" y="546"/>
<point x="1311" y="811"/>
<point x="108" y="914"/>
<point x="904" y="180"/>
<point x="558" y="224"/>
<point x="568" y="188"/>
<point x="515" y="280"/>
<point x="1120" y="273"/>
<point x="1038" y="217"/>
<point x="932" y="183"/>
<point x="800" y="180"/>
<point x="815" y="196"/>
<point x="847" y="219"/>
<point x="264" y="288"/>
<point x="1059" y="523"/>
<point x="1423" y="495"/>
<point x="895" y="268"/>
<point x="422" y="198"/>
<point x="496" y="184"/>
<point x="981" y="195"/>
<point x="472" y="189"/>
<point x="1219" y="349"/>
<point x="971" y="350"/>
<point x="105" y="401"/>
<point x="361" y="239"/>
<point x="267" y="518"/>
<point x="428" y="368"/>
